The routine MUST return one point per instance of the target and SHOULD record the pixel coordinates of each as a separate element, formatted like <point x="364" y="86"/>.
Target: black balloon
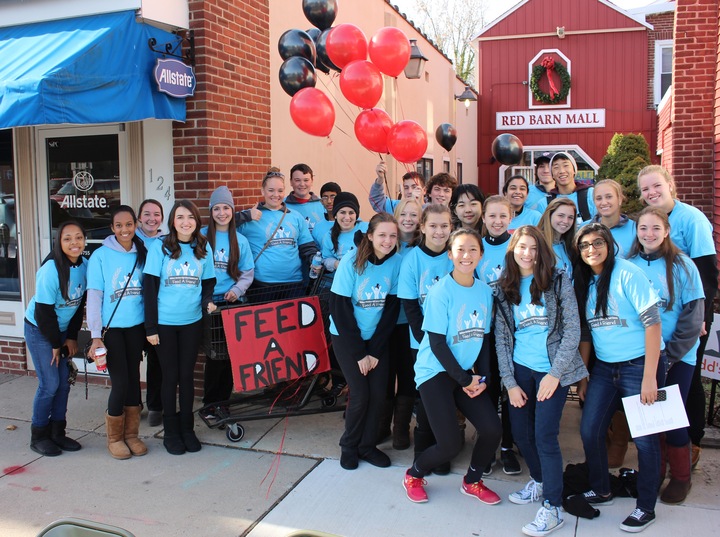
<point x="314" y="34"/>
<point x="322" y="51"/>
<point x="296" y="43"/>
<point x="507" y="149"/>
<point x="296" y="73"/>
<point x="446" y="136"/>
<point x="320" y="13"/>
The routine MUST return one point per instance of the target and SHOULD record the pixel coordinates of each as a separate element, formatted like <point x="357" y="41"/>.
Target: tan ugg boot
<point x="618" y="444"/>
<point x="680" y="484"/>
<point x="132" y="427"/>
<point x="115" y="430"/>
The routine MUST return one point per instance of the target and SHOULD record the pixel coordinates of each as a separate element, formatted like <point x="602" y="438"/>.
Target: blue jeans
<point x="51" y="397"/>
<point x="680" y="374"/>
<point x="535" y="428"/>
<point x="609" y="382"/>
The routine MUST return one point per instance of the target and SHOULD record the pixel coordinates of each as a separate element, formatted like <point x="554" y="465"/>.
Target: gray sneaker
<point x="530" y="493"/>
<point x="548" y="519"/>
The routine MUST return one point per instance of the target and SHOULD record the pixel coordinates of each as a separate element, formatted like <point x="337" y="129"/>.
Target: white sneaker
<point x="531" y="493"/>
<point x="548" y="519"/>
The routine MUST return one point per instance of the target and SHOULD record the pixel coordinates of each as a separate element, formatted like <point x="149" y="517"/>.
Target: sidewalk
<point x="220" y="492"/>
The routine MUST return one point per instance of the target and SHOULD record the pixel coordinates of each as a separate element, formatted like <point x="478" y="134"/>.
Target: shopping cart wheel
<point x="235" y="432"/>
<point x="329" y="401"/>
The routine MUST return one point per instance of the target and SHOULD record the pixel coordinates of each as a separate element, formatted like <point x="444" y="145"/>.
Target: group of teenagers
<point x="439" y="305"/>
<point x="490" y="303"/>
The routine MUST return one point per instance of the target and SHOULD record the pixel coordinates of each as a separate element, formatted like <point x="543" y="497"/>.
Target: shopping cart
<point x="311" y="393"/>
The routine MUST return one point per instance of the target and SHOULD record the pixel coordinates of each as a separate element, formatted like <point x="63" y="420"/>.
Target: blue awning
<point x="86" y="70"/>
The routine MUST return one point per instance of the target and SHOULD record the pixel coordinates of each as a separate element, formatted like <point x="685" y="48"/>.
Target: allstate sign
<point x="174" y="78"/>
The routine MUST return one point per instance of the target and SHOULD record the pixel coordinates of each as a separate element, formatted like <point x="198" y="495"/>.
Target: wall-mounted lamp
<point x="415" y="66"/>
<point x="560" y="32"/>
<point x="466" y="97"/>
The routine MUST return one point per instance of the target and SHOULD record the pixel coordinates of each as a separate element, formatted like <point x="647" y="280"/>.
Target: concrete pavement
<point x="283" y="476"/>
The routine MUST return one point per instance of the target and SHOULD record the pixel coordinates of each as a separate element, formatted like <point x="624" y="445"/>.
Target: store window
<point x="9" y="276"/>
<point x="84" y="183"/>
<point x="425" y="167"/>
<point x="459" y="173"/>
<point x="663" y="68"/>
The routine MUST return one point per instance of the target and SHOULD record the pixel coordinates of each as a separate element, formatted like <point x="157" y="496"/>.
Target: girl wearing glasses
<point x="619" y="307"/>
<point x="678" y="283"/>
<point x="537" y="333"/>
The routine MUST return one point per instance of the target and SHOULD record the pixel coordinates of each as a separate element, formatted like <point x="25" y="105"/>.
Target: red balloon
<point x="312" y="112"/>
<point x="361" y="83"/>
<point x="407" y="141"/>
<point x="372" y="128"/>
<point x="346" y="43"/>
<point x="389" y="49"/>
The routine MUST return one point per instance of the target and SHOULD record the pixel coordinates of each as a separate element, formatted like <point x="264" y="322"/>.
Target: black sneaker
<point x="511" y="466"/>
<point x="489" y="468"/>
<point x="638" y="520"/>
<point x="597" y="499"/>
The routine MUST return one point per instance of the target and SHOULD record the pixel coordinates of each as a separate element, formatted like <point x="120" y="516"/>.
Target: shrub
<point x="626" y="156"/>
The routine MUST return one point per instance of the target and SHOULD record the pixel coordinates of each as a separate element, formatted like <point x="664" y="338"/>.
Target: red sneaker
<point x="415" y="488"/>
<point x="480" y="491"/>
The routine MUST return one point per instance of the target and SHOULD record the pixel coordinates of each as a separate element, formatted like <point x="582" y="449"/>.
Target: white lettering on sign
<point x="178" y="79"/>
<point x="561" y="119"/>
<point x="84" y="202"/>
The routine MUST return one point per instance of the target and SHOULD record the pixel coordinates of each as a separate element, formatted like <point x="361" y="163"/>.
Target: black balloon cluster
<point x="304" y="51"/>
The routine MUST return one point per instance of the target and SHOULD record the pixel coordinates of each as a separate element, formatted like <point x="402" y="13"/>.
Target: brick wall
<point x="694" y="77"/>
<point x="662" y="29"/>
<point x="226" y="138"/>
<point x="13" y="356"/>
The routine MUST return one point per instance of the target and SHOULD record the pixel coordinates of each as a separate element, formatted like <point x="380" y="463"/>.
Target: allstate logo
<point x="83" y="181"/>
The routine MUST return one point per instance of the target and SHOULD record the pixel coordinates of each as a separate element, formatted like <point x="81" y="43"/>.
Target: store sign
<point x="711" y="359"/>
<point x="174" y="78"/>
<point x="550" y="119"/>
<point x="276" y="342"/>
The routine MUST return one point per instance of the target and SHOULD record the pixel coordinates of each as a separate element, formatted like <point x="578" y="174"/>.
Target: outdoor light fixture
<point x="415" y="66"/>
<point x="466" y="97"/>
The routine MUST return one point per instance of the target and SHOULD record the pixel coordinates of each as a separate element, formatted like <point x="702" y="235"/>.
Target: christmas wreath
<point x="546" y="67"/>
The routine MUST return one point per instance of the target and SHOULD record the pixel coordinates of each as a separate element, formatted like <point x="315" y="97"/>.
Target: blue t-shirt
<point x="419" y="272"/>
<point x="367" y="291"/>
<point x="624" y="234"/>
<point x="691" y="231"/>
<point x="108" y="271"/>
<point x="531" y="331"/>
<point x="620" y="336"/>
<point x="346" y="242"/>
<point x="528" y="217"/>
<point x="147" y="241"/>
<point x="180" y="293"/>
<point x="590" y="202"/>
<point x="463" y="314"/>
<point x="562" y="259"/>
<point x="536" y="199"/>
<point x="321" y="229"/>
<point x="312" y="211"/>
<point x="47" y="291"/>
<point x="280" y="262"/>
<point x="492" y="262"/>
<point x="221" y="254"/>
<point x="687" y="286"/>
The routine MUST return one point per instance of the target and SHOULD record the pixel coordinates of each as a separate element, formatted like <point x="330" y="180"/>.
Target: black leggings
<point x="402" y="364"/>
<point x="495" y="393"/>
<point x="441" y="395"/>
<point x="367" y="394"/>
<point x="124" y="346"/>
<point x="178" y="351"/>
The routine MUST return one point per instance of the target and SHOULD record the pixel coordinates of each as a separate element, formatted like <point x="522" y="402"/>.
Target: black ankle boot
<point x="171" y="436"/>
<point x="187" y="433"/>
<point x="41" y="443"/>
<point x="57" y="435"/>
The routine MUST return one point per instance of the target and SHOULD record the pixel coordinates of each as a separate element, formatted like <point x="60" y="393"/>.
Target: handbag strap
<point x="271" y="235"/>
<point x="119" y="299"/>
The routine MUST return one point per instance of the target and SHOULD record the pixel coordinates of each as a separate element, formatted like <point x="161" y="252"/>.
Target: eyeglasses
<point x="275" y="174"/>
<point x="596" y="244"/>
<point x="328" y="198"/>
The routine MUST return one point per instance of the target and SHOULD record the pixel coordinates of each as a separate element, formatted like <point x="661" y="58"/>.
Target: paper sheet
<point x="658" y="417"/>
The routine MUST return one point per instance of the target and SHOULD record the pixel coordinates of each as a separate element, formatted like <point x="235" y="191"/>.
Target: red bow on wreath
<point x="549" y="64"/>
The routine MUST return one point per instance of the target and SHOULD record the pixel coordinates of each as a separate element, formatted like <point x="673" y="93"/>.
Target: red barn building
<point x="600" y="51"/>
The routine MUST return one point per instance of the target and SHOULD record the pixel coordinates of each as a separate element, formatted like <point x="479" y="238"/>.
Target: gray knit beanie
<point x="222" y="194"/>
<point x="562" y="155"/>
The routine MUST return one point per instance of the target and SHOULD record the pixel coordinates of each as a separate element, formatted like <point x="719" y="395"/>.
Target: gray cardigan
<point x="563" y="337"/>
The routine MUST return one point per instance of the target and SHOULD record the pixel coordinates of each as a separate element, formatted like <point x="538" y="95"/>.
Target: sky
<point x="498" y="7"/>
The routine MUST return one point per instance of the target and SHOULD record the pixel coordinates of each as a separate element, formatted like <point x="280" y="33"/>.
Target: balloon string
<point x="353" y="173"/>
<point x="340" y="105"/>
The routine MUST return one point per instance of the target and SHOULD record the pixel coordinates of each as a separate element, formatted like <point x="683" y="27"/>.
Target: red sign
<point x="275" y="342"/>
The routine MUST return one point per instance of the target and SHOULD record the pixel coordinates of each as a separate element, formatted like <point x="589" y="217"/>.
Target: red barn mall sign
<point x="174" y="78"/>
<point x="551" y="119"/>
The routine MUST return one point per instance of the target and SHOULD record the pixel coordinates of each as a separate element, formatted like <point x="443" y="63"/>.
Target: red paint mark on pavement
<point x="13" y="470"/>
